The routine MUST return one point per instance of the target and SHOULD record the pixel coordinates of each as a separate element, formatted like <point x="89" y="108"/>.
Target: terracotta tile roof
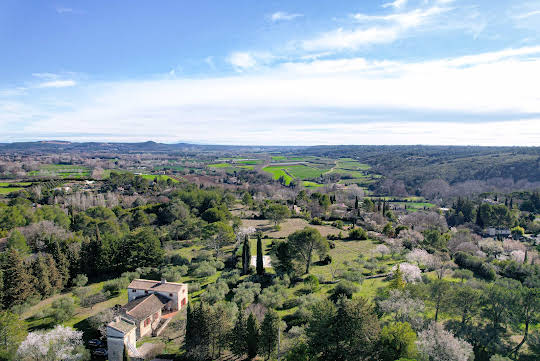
<point x="150" y="285"/>
<point x="143" y="307"/>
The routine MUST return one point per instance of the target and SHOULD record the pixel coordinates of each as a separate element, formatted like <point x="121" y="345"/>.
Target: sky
<point x="296" y="72"/>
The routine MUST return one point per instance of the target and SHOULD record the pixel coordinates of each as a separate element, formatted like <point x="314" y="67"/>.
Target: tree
<point x="252" y="340"/>
<point x="269" y="334"/>
<point x="59" y="344"/>
<point x="358" y="234"/>
<point x="434" y="343"/>
<point x="18" y="241"/>
<point x="63" y="309"/>
<point x="304" y="242"/>
<point x="397" y="282"/>
<point x="142" y="248"/>
<point x="41" y="272"/>
<point x="239" y="336"/>
<point x="197" y="339"/>
<point x="276" y="212"/>
<point x="398" y="341"/>
<point x="260" y="262"/>
<point x="246" y="255"/>
<point x="344" y="289"/>
<point x="526" y="312"/>
<point x="439" y="290"/>
<point x="217" y="235"/>
<point x="17" y="280"/>
<point x="12" y="333"/>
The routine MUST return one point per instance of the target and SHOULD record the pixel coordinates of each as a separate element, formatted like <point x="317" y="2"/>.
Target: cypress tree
<point x="252" y="330"/>
<point x="260" y="263"/>
<point x="246" y="256"/>
<point x="356" y="203"/>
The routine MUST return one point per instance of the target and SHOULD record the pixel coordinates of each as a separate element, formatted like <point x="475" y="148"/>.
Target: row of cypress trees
<point x="246" y="256"/>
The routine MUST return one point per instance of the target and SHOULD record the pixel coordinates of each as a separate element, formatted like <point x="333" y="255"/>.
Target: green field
<point x="311" y="185"/>
<point x="160" y="177"/>
<point x="278" y="172"/>
<point x="7" y="188"/>
<point x="62" y="171"/>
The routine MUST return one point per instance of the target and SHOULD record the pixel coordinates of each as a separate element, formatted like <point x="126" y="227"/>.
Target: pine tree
<point x="246" y="256"/>
<point x="41" y="272"/>
<point x="55" y="278"/>
<point x="260" y="262"/>
<point x="269" y="333"/>
<point x="398" y="282"/>
<point x="17" y="280"/>
<point x="238" y="339"/>
<point x="62" y="263"/>
<point x="252" y="330"/>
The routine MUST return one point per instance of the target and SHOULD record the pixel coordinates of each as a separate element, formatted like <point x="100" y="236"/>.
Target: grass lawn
<point x="220" y="165"/>
<point x="160" y="177"/>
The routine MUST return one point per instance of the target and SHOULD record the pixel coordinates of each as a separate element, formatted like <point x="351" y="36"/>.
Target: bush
<point x="316" y="221"/>
<point x="475" y="264"/>
<point x="273" y="296"/>
<point x="359" y="234"/>
<point x="62" y="309"/>
<point x="353" y="276"/>
<point x="90" y="301"/>
<point x="116" y="285"/>
<point x="338" y="224"/>
<point x="194" y="286"/>
<point x="326" y="260"/>
<point x="343" y="289"/>
<point x="204" y="269"/>
<point x="312" y="283"/>
<point x="215" y="292"/>
<point x="80" y="280"/>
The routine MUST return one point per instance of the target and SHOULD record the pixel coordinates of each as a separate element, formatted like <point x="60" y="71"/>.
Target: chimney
<point x="163" y="281"/>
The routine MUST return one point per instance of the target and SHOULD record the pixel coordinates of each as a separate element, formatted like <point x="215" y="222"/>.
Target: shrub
<point x="62" y="309"/>
<point x="358" y="234"/>
<point x="204" y="269"/>
<point x="312" y="283"/>
<point x="343" y="289"/>
<point x="116" y="285"/>
<point x="215" y="292"/>
<point x="316" y="221"/>
<point x="194" y="286"/>
<point x="273" y="296"/>
<point x="80" y="280"/>
<point x="338" y="224"/>
<point x="94" y="299"/>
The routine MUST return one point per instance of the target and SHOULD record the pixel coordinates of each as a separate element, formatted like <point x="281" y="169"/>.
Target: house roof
<point x="143" y="307"/>
<point x="150" y="285"/>
<point x="122" y="325"/>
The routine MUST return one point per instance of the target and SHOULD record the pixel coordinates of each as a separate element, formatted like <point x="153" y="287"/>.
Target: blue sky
<point x="271" y="72"/>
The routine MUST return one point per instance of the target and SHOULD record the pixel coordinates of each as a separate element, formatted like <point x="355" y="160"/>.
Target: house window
<point x="146" y="292"/>
<point x="170" y="294"/>
<point x="133" y="290"/>
<point x="147" y="322"/>
<point x="183" y="301"/>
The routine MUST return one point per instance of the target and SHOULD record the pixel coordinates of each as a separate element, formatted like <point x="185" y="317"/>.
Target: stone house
<point x="151" y="306"/>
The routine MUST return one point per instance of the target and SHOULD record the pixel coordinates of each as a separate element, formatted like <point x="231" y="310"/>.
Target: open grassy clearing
<point x="278" y="172"/>
<point x="160" y="177"/>
<point x="287" y="227"/>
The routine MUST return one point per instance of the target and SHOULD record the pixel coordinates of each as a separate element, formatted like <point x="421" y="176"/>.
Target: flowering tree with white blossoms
<point x="435" y="343"/>
<point x="420" y="256"/>
<point x="382" y="250"/>
<point x="518" y="256"/>
<point x="411" y="272"/>
<point x="59" y="344"/>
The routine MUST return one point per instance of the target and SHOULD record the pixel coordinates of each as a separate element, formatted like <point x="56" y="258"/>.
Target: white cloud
<point x="57" y="84"/>
<point x="528" y="14"/>
<point x="283" y="16"/>
<point x="321" y="101"/>
<point x="397" y="4"/>
<point x="242" y="60"/>
<point x="382" y="29"/>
